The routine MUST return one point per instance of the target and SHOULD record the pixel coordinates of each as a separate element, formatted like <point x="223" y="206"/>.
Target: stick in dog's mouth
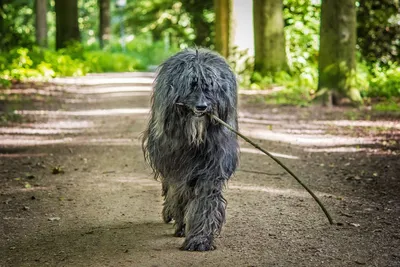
<point x="197" y="114"/>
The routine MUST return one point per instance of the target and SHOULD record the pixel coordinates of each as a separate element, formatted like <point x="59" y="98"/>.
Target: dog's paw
<point x="198" y="243"/>
<point x="166" y="216"/>
<point x="179" y="232"/>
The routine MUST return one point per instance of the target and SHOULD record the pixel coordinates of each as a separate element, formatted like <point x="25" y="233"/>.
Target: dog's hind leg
<point x="205" y="215"/>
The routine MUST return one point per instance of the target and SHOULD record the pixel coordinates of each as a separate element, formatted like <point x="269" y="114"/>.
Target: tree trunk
<point x="67" y="28"/>
<point x="223" y="26"/>
<point x="269" y="37"/>
<point x="105" y="21"/>
<point x="337" y="62"/>
<point x="41" y="22"/>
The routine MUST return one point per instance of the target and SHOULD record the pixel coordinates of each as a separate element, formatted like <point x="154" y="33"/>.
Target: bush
<point x="22" y="64"/>
<point x="99" y="61"/>
<point x="148" y="53"/>
<point x="385" y="82"/>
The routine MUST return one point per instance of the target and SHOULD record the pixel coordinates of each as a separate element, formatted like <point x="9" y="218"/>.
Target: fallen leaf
<point x="360" y="262"/>
<point x="52" y="219"/>
<point x="57" y="170"/>
<point x="28" y="185"/>
<point x="29" y="176"/>
<point x="346" y="214"/>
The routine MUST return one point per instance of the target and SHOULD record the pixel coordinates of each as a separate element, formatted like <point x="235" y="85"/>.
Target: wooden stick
<point x="280" y="163"/>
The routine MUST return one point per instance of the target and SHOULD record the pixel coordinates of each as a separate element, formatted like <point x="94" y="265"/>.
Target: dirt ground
<point x="75" y="190"/>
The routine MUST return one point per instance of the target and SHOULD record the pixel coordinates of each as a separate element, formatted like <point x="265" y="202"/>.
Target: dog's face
<point x="189" y="86"/>
<point x="198" y="100"/>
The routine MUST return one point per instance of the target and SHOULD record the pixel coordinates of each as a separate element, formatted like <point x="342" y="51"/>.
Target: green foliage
<point x="387" y="106"/>
<point x="22" y="63"/>
<point x="88" y="20"/>
<point x="16" y="24"/>
<point x="378" y="30"/>
<point x="375" y="76"/>
<point x="302" y="20"/>
<point x="99" y="61"/>
<point x="7" y="117"/>
<point x="149" y="53"/>
<point x="384" y="82"/>
<point x="183" y="23"/>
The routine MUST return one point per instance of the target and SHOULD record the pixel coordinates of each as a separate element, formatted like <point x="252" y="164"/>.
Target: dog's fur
<point x="192" y="155"/>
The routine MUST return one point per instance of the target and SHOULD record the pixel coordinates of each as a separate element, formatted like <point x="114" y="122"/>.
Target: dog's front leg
<point x="204" y="216"/>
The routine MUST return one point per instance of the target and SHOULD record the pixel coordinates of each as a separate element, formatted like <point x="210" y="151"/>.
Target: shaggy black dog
<point x="191" y="154"/>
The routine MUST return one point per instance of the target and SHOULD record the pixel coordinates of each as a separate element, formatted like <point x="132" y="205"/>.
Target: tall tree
<point x="223" y="26"/>
<point x="41" y="22"/>
<point x="337" y="62"/>
<point x="269" y="37"/>
<point x="104" y="25"/>
<point x="67" y="28"/>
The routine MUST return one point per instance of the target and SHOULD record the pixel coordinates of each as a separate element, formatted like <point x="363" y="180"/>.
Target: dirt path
<point x="104" y="210"/>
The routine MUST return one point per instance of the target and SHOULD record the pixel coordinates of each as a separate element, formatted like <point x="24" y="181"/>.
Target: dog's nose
<point x="201" y="107"/>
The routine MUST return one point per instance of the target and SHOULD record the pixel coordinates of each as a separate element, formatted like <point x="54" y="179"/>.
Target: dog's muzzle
<point x="198" y="111"/>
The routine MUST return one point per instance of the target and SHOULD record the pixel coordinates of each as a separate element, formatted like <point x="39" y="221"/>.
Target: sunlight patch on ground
<point x="109" y="89"/>
<point x="302" y="131"/>
<point x="29" y="91"/>
<point x="30" y="131"/>
<point x="65" y="124"/>
<point x="103" y="79"/>
<point x="260" y="116"/>
<point x="259" y="121"/>
<point x="256" y="151"/>
<point x="261" y="92"/>
<point x="24" y="140"/>
<point x="342" y="149"/>
<point x="23" y="155"/>
<point x="29" y="140"/>
<point x="306" y="140"/>
<point x="114" y="183"/>
<point x="275" y="191"/>
<point x="32" y="189"/>
<point x="108" y="141"/>
<point x="348" y="123"/>
<point x="94" y="112"/>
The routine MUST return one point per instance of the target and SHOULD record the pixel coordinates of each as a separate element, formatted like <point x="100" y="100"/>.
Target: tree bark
<point x="223" y="26"/>
<point x="41" y="22"/>
<point x="269" y="37"/>
<point x="105" y="22"/>
<point x="337" y="64"/>
<point x="67" y="27"/>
